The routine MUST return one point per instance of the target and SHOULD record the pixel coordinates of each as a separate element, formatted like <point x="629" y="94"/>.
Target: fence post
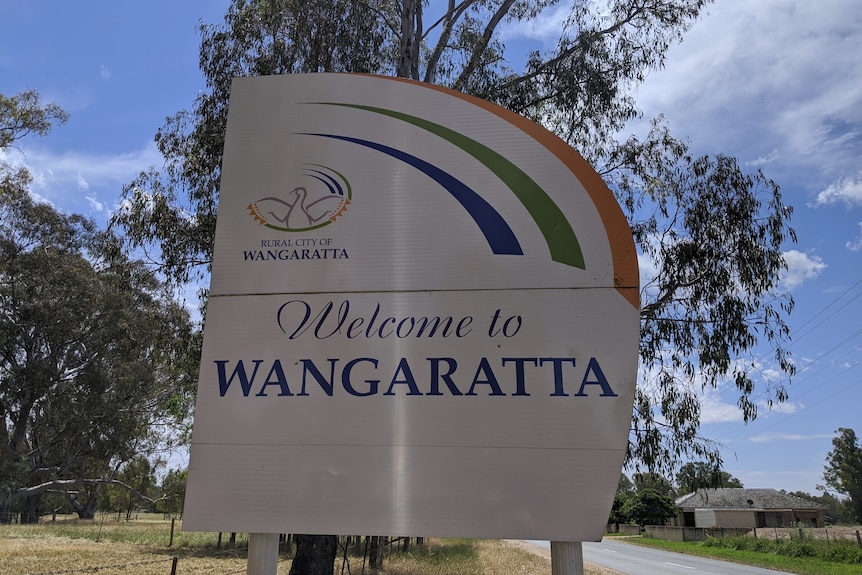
<point x="171" y="542"/>
<point x="858" y="538"/>
<point x="174" y="566"/>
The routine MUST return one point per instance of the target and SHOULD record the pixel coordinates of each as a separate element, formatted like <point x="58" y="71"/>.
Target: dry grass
<point x="63" y="554"/>
<point x="466" y="557"/>
<point x="140" y="548"/>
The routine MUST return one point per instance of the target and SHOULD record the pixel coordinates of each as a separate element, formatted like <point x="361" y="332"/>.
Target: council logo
<point x="315" y="200"/>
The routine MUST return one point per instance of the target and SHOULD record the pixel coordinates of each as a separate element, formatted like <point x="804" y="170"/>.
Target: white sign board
<point x="423" y="321"/>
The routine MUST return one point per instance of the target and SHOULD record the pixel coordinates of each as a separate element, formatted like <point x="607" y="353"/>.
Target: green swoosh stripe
<point x="552" y="223"/>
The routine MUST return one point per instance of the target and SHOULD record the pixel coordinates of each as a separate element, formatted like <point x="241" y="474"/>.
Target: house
<point x="747" y="508"/>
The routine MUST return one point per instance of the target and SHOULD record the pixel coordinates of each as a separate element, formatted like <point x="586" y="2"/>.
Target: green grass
<point x="800" y="557"/>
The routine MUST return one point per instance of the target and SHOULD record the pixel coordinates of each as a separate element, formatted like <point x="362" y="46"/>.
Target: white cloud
<point x="855" y="245"/>
<point x="770" y="437"/>
<point x="785" y="408"/>
<point x="105" y="72"/>
<point x="546" y="28"/>
<point x="96" y="205"/>
<point x="803" y="479"/>
<point x="846" y="191"/>
<point x="800" y="267"/>
<point x="714" y="409"/>
<point x="81" y="182"/>
<point x="768" y="79"/>
<point x="56" y="175"/>
<point x="767" y="159"/>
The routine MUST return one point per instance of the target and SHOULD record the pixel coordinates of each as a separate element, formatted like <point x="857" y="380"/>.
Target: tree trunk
<point x="85" y="509"/>
<point x="375" y="552"/>
<point x="88" y="510"/>
<point x="411" y="37"/>
<point x="315" y="555"/>
<point x="31" y="509"/>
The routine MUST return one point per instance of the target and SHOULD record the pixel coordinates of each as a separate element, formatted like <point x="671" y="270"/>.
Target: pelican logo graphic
<point x="323" y="197"/>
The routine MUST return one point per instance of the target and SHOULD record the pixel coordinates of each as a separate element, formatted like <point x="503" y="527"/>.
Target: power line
<point x="833" y="302"/>
<point x="842" y="390"/>
<point x="823" y="310"/>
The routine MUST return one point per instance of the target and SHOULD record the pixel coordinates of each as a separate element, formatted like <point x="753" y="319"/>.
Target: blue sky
<point x="777" y="83"/>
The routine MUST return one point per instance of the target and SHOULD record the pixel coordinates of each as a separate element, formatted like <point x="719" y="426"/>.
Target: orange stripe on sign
<point x="623" y="252"/>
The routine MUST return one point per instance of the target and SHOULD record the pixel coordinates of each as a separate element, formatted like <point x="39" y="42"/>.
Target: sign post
<point x="262" y="554"/>
<point x="422" y="307"/>
<point x="567" y="558"/>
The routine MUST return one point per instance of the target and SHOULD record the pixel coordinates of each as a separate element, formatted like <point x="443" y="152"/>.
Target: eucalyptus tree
<point x="843" y="470"/>
<point x="700" y="475"/>
<point x="94" y="351"/>
<point x="174" y="492"/>
<point x="648" y="507"/>
<point x="712" y="232"/>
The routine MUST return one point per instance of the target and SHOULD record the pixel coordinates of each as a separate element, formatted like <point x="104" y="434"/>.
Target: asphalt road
<point x="637" y="560"/>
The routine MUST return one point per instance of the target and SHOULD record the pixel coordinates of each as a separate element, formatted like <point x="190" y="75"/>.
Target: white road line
<point x="678" y="565"/>
<point x="609" y="550"/>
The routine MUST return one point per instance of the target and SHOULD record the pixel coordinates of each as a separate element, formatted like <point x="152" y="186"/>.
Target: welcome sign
<point x="423" y="320"/>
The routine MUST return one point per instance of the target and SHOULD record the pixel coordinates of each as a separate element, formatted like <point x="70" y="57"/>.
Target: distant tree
<point x="625" y="486"/>
<point x="843" y="471"/>
<point x="654" y="481"/>
<point x="701" y="475"/>
<point x="173" y="492"/>
<point x="617" y="513"/>
<point x="649" y="507"/>
<point x="25" y="114"/>
<point x="838" y="511"/>
<point x="139" y="474"/>
<point x="625" y="491"/>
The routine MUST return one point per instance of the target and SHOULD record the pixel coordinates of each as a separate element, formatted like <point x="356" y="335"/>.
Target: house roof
<point x="742" y="498"/>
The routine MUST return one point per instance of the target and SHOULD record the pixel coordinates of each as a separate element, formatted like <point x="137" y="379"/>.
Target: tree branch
<point x="568" y="52"/>
<point x="482" y="45"/>
<point x="452" y="15"/>
<point x="63" y="485"/>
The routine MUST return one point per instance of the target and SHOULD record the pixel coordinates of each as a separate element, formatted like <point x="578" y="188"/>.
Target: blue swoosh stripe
<point x="328" y="181"/>
<point x="497" y="232"/>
